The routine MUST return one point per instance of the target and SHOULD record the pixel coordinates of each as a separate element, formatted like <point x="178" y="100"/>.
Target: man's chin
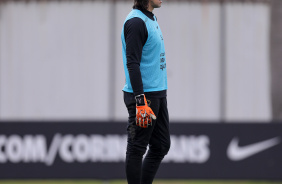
<point x="158" y="6"/>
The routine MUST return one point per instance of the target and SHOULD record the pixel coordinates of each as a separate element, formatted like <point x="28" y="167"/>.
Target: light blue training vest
<point x="153" y="61"/>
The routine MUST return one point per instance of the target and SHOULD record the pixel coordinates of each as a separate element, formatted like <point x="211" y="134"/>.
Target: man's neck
<point x="150" y="8"/>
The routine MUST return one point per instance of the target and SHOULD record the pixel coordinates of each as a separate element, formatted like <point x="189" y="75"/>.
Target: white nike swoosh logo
<point x="236" y="153"/>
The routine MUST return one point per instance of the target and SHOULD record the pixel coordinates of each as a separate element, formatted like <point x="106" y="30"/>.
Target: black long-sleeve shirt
<point x="136" y="34"/>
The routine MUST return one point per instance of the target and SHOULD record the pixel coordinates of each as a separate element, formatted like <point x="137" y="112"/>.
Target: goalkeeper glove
<point x="144" y="113"/>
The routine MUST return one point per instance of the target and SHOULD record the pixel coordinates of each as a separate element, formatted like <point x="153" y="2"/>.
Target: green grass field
<point x="124" y="182"/>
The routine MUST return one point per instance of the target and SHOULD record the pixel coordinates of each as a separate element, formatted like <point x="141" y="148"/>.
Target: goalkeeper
<point x="145" y="92"/>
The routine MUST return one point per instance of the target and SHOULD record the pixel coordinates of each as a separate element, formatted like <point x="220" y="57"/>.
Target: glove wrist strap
<point x="140" y="100"/>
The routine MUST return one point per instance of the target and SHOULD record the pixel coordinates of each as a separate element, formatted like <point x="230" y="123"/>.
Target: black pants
<point x="156" y="136"/>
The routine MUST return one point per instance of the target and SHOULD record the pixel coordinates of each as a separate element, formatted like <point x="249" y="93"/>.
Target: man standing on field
<point x="145" y="92"/>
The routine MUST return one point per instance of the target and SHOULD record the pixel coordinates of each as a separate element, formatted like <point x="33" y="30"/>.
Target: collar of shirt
<point x="149" y="14"/>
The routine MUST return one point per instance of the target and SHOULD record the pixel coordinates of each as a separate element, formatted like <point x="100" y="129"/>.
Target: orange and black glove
<point x="144" y="113"/>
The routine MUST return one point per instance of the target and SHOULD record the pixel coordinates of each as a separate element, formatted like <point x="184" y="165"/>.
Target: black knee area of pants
<point x="158" y="152"/>
<point x="165" y="149"/>
<point x="134" y="151"/>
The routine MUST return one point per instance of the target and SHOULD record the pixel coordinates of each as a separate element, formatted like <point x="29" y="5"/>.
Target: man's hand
<point x="144" y="113"/>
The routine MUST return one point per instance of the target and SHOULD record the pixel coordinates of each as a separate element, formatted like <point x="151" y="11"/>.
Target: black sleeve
<point x="135" y="34"/>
